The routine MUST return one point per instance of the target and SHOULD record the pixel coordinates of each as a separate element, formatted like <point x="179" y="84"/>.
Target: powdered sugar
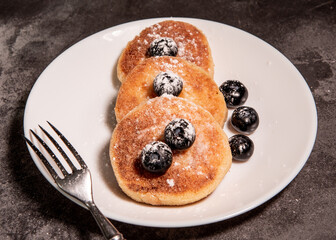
<point x="171" y="182"/>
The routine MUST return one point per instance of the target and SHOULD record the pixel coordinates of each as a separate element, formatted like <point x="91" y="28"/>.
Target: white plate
<point x="77" y="93"/>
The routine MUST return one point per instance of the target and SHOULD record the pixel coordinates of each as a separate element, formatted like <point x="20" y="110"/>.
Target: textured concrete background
<point x="33" y="33"/>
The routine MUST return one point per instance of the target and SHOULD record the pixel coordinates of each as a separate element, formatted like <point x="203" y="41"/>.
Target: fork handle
<point x="107" y="228"/>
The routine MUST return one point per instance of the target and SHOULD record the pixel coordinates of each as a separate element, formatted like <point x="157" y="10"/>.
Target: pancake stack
<point x="143" y="115"/>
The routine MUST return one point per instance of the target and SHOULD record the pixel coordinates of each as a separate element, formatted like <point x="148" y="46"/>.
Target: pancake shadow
<point x="110" y="120"/>
<point x="114" y="76"/>
<point x="107" y="173"/>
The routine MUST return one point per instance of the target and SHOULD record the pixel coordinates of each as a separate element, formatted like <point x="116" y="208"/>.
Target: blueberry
<point x="179" y="134"/>
<point x="156" y="157"/>
<point x="163" y="46"/>
<point x="242" y="147"/>
<point x="235" y="93"/>
<point x="245" y="119"/>
<point x="169" y="83"/>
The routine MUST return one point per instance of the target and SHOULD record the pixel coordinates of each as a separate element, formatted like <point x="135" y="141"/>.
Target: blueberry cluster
<point x="244" y="119"/>
<point x="156" y="157"/>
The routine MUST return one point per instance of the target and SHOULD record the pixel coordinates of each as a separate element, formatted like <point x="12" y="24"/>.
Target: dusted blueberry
<point x="245" y="119"/>
<point x="169" y="83"/>
<point x="156" y="157"/>
<point x="179" y="134"/>
<point x="163" y="46"/>
<point x="235" y="93"/>
<point x="242" y="147"/>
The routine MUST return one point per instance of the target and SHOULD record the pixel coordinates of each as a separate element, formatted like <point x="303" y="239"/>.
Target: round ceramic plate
<point x="77" y="93"/>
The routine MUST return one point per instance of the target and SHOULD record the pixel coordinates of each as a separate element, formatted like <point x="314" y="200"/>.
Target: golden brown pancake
<point x="191" y="42"/>
<point x="198" y="87"/>
<point x="194" y="173"/>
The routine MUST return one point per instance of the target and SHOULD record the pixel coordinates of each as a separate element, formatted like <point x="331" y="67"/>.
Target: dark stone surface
<point x="33" y="33"/>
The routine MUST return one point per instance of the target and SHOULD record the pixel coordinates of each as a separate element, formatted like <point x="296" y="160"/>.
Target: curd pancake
<point x="194" y="173"/>
<point x="198" y="87"/>
<point x="191" y="43"/>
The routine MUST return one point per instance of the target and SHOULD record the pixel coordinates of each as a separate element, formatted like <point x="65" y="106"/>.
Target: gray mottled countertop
<point x="33" y="33"/>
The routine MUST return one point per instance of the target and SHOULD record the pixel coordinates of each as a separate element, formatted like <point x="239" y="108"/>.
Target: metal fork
<point x="78" y="183"/>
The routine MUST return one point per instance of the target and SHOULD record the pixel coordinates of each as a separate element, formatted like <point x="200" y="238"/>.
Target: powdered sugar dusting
<point x="171" y="182"/>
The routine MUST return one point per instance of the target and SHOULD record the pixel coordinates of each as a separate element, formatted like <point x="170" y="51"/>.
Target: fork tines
<point x="54" y="157"/>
